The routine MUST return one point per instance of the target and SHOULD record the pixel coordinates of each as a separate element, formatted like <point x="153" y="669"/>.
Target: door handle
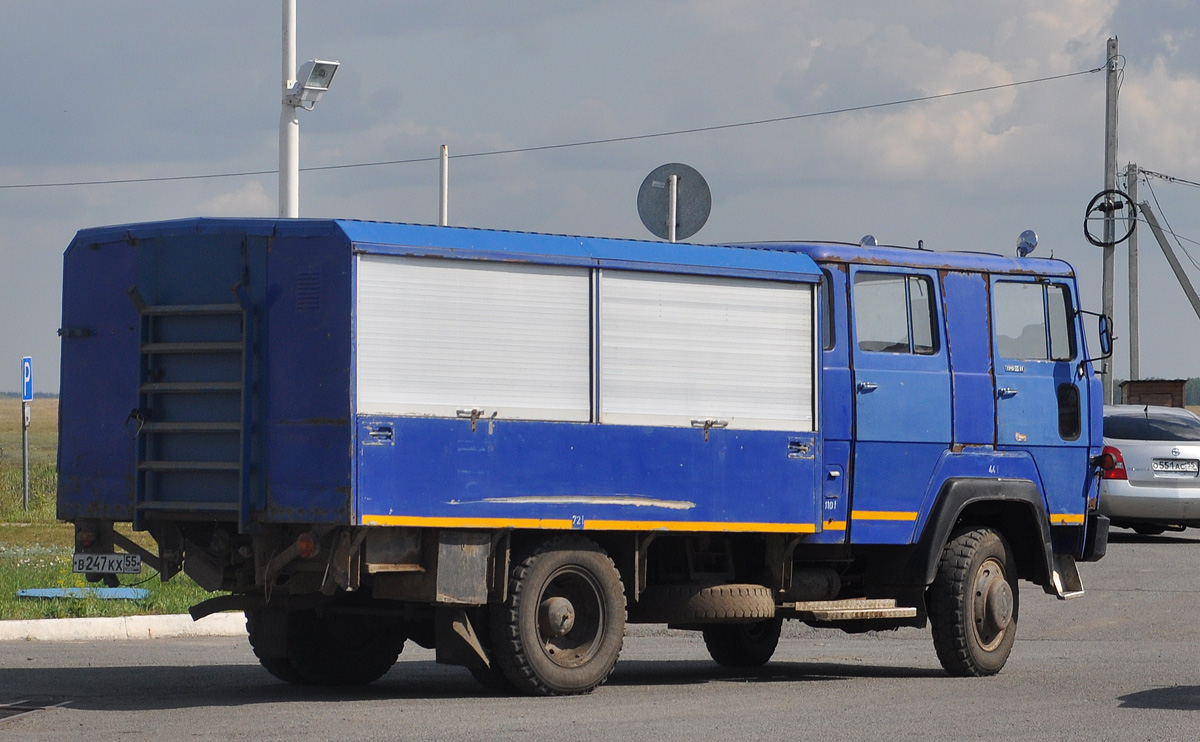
<point x="867" y="386"/>
<point x="379" y="435"/>
<point x="1006" y="392"/>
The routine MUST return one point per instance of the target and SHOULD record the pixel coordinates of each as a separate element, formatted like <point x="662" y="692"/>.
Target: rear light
<point x="85" y="537"/>
<point x="1112" y="466"/>
<point x="306" y="545"/>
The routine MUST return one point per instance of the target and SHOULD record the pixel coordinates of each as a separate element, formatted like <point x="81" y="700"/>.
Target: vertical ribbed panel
<point x="438" y="336"/>
<point x="677" y="349"/>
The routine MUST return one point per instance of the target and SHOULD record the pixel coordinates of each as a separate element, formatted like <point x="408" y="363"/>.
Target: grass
<point x="39" y="556"/>
<point x="35" y="549"/>
<point x="43" y="484"/>
<point x="43" y="432"/>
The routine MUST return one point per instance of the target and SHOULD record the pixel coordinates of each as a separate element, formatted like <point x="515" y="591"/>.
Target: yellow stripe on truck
<point x="882" y="515"/>
<point x="588" y="525"/>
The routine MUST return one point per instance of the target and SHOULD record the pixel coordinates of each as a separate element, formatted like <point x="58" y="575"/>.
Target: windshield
<point x="1152" y="427"/>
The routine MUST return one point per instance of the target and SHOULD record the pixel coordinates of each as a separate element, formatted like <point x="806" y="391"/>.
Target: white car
<point x="1150" y="468"/>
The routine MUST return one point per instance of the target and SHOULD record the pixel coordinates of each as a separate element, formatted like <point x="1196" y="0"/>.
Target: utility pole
<point x="1110" y="183"/>
<point x="1172" y="258"/>
<point x="1135" y="364"/>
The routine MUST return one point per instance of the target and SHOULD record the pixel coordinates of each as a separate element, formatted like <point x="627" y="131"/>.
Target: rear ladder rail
<point x="194" y="411"/>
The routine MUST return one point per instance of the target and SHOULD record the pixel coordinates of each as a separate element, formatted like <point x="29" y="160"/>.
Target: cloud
<point x="872" y="53"/>
<point x="1158" y="112"/>
<point x="251" y="199"/>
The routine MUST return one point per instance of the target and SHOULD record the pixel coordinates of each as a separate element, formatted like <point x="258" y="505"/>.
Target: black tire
<point x="743" y="645"/>
<point x="493" y="678"/>
<point x="562" y="627"/>
<point x="1145" y="529"/>
<point x="343" y="649"/>
<point x="330" y="648"/>
<point x="685" y="605"/>
<point x="280" y="667"/>
<point x="973" y="603"/>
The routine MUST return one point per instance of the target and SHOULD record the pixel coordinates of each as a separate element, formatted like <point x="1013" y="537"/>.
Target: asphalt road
<point x="1120" y="663"/>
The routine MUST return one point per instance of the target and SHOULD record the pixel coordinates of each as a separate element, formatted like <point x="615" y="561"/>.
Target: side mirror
<point x="1105" y="336"/>
<point x="1104" y="329"/>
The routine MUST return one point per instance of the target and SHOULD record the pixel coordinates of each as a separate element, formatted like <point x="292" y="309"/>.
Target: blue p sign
<point x="27" y="377"/>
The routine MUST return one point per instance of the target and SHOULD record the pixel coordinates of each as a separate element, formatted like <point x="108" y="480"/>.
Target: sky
<point x="135" y="90"/>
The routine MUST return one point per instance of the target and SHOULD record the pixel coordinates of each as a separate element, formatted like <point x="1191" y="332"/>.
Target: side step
<point x="856" y="609"/>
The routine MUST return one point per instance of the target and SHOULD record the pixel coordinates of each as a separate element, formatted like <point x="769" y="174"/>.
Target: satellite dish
<point x="1026" y="242"/>
<point x="692" y="206"/>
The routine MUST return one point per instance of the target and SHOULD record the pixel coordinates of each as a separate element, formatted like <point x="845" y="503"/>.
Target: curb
<point x="123" y="628"/>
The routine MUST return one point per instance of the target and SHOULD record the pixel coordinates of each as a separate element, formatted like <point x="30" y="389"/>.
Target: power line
<point x="1169" y="178"/>
<point x="565" y="145"/>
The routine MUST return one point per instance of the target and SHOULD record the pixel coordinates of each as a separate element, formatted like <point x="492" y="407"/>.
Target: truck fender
<point x="1021" y="516"/>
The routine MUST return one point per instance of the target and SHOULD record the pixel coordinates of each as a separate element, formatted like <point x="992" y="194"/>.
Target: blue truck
<point x="507" y="446"/>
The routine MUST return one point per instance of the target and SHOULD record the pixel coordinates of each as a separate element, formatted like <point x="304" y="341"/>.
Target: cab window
<point x="1033" y="321"/>
<point x="894" y="313"/>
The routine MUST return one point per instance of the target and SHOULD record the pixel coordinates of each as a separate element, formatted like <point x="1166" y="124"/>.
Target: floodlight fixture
<point x="313" y="80"/>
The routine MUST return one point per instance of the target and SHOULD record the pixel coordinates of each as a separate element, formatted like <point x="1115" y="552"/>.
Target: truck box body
<point x="352" y="423"/>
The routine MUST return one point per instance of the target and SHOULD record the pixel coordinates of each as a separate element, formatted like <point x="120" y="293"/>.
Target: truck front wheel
<point x="561" y="629"/>
<point x="973" y="603"/>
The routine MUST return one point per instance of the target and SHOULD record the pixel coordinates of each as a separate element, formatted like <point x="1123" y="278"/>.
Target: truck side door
<point x="1040" y="398"/>
<point x="901" y="399"/>
<point x="837" y="405"/>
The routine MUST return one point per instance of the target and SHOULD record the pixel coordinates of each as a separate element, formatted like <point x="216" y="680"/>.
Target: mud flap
<point x="1065" y="577"/>
<point x="455" y="639"/>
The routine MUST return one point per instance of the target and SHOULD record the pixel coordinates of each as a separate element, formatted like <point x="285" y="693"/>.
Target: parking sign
<point x="27" y="376"/>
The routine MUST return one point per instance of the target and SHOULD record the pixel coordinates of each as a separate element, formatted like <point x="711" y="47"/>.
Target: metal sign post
<point x="26" y="400"/>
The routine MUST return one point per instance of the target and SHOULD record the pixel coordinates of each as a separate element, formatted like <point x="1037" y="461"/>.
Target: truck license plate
<point x="1176" y="466"/>
<point x="107" y="564"/>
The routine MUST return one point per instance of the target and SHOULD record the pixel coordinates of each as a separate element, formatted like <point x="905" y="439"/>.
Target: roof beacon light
<point x="1027" y="242"/>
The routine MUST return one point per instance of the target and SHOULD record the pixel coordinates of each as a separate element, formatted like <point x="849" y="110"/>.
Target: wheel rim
<point x="992" y="604"/>
<point x="570" y="617"/>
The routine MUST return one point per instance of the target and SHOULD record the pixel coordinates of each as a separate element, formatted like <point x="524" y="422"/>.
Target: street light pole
<point x="289" y="122"/>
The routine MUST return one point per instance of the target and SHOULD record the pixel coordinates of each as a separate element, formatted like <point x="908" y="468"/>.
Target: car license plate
<point x="107" y="564"/>
<point x="1176" y="466"/>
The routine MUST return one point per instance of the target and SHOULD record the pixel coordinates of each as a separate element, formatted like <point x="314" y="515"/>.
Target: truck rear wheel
<point x="561" y="629"/>
<point x="330" y="648"/>
<point x="744" y="644"/>
<point x="280" y="667"/>
<point x="973" y="603"/>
